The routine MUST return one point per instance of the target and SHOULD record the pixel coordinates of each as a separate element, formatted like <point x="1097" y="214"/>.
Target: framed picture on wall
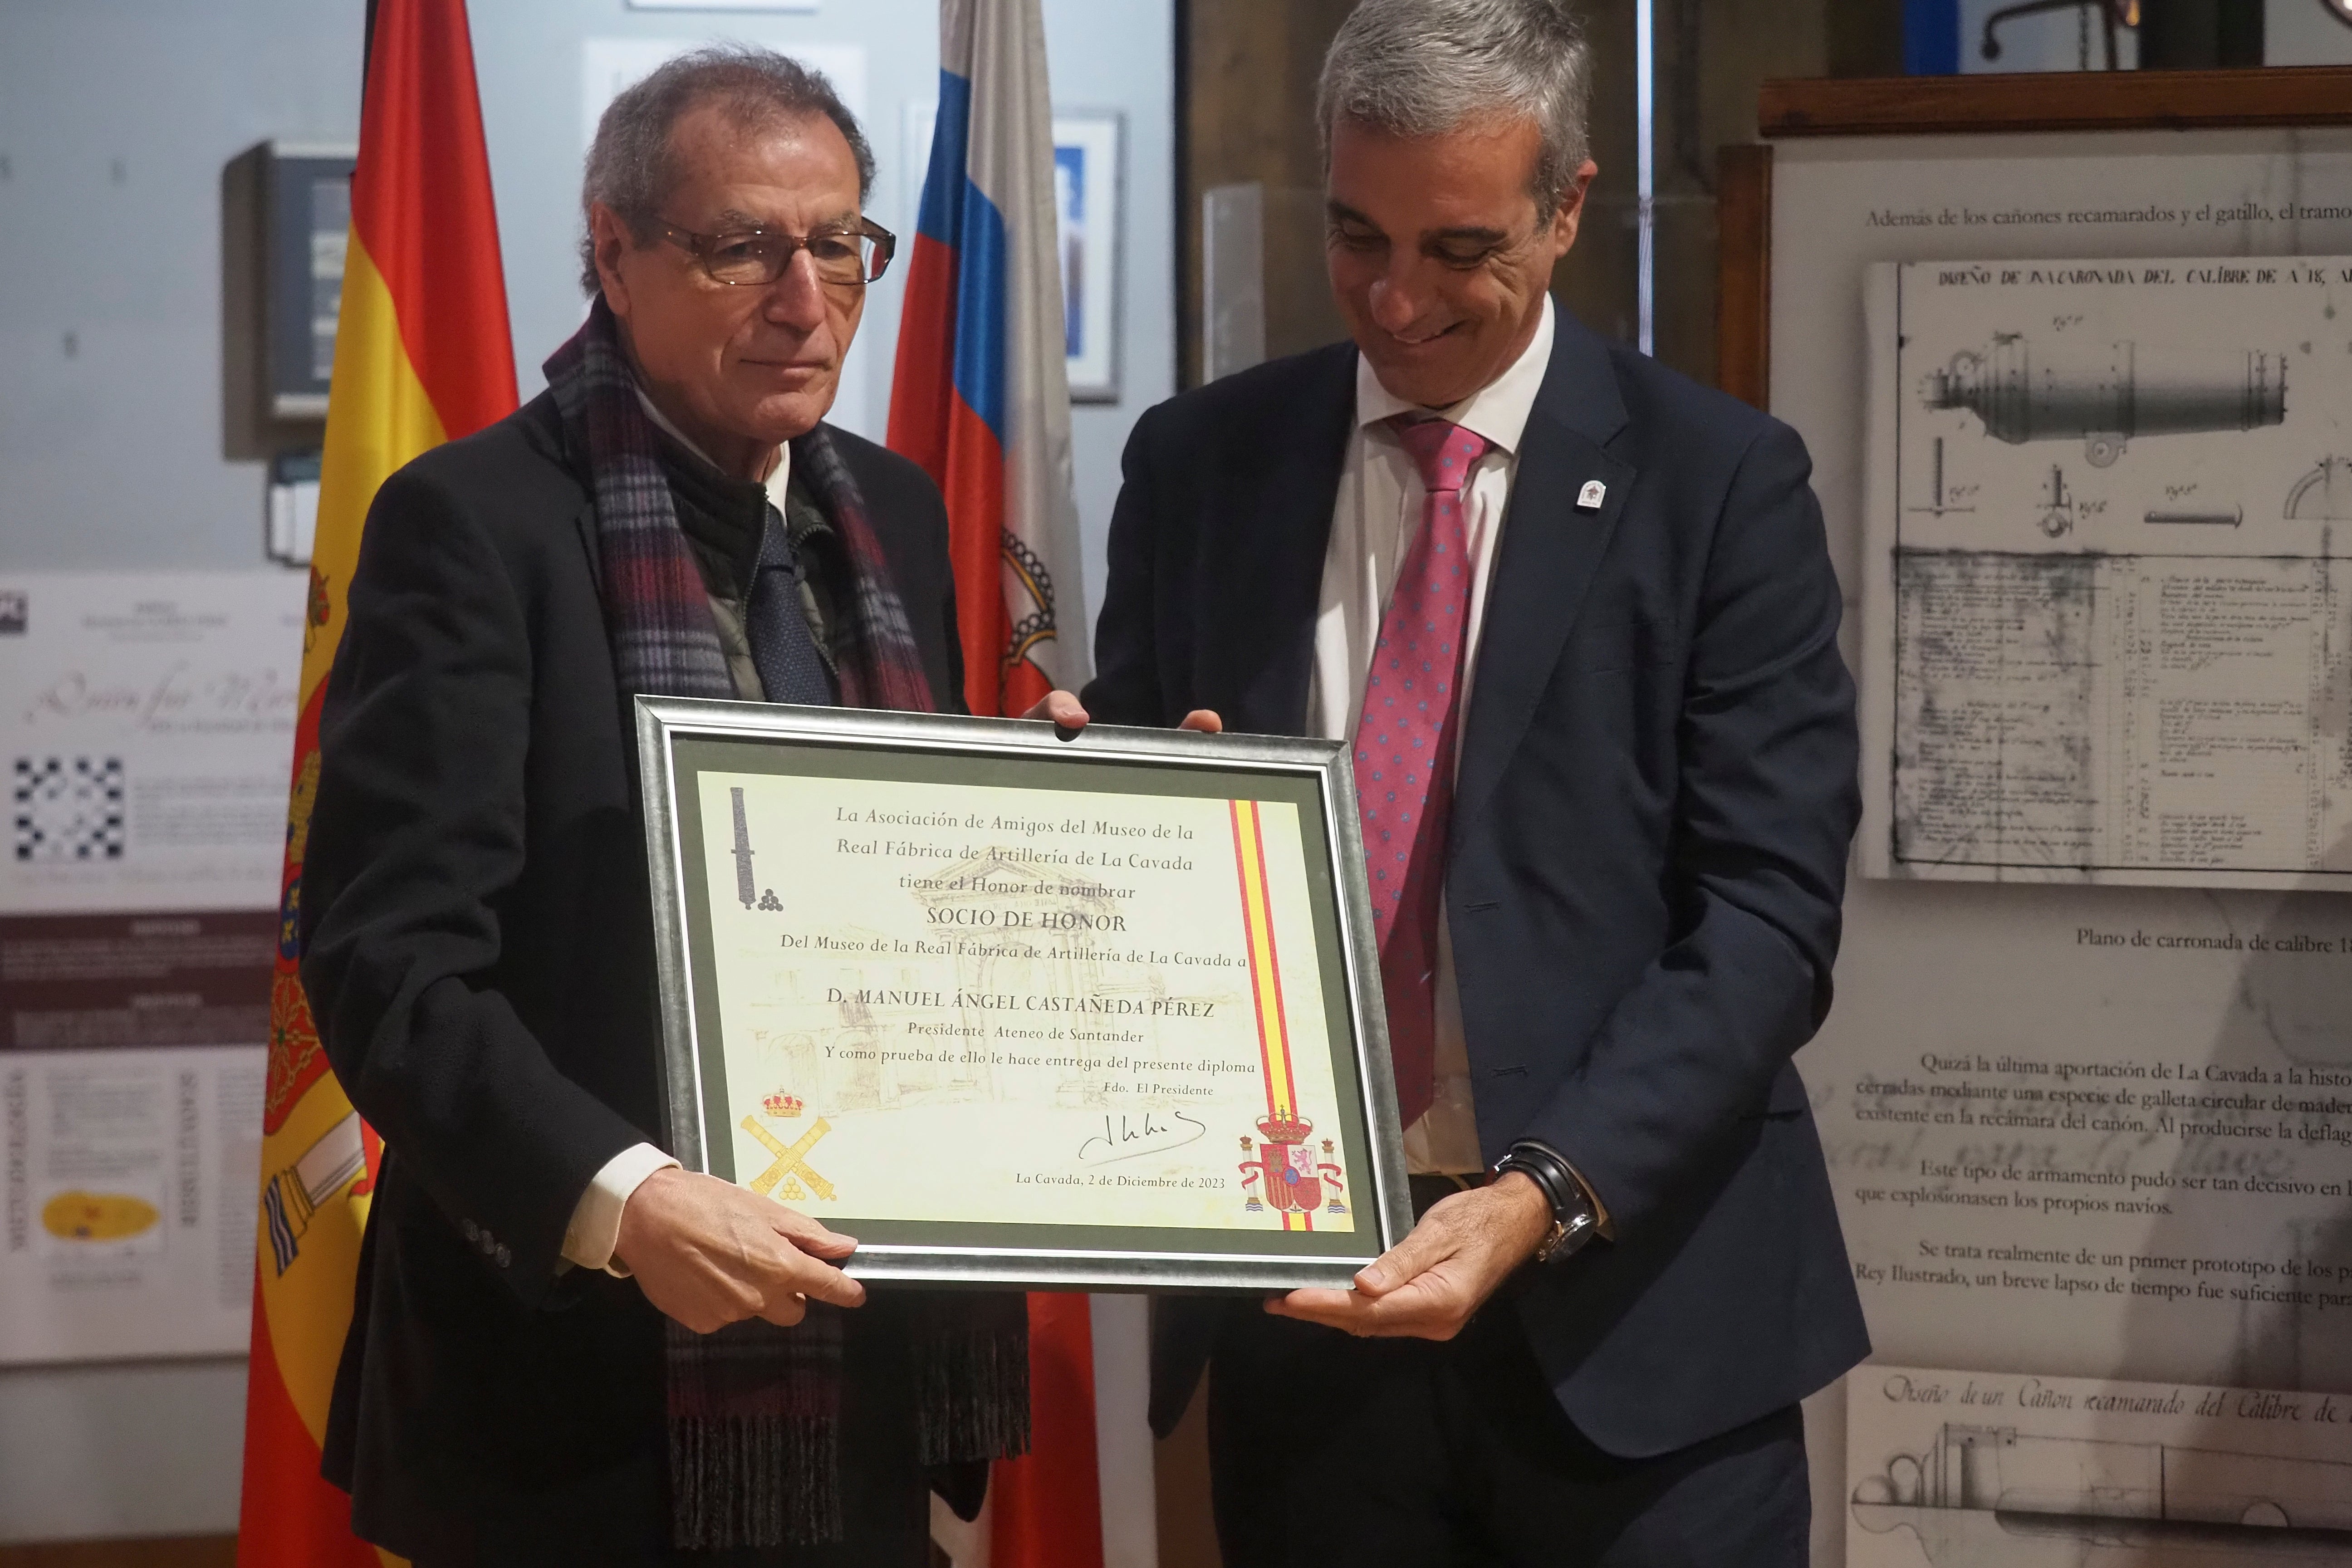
<point x="1874" y="213"/>
<point x="307" y="214"/>
<point x="1089" y="210"/>
<point x="1089" y="197"/>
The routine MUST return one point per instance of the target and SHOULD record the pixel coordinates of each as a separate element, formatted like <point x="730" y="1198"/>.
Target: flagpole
<point x="1646" y="180"/>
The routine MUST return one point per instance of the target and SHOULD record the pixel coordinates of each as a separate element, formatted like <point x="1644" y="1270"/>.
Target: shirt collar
<point x="1498" y="410"/>
<point x="780" y="477"/>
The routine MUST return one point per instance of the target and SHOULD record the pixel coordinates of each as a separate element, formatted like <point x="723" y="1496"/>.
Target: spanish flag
<point x="421" y="354"/>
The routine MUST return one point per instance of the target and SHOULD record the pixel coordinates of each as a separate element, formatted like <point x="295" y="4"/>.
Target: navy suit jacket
<point x="1648" y="848"/>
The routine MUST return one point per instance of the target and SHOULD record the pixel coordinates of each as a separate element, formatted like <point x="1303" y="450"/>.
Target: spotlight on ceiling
<point x="2340" y="9"/>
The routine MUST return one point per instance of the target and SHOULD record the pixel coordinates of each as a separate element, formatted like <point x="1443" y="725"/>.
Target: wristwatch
<point x="1575" y="1217"/>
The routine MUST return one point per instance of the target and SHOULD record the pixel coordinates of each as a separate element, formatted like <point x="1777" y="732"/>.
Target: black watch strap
<point x="1574" y="1219"/>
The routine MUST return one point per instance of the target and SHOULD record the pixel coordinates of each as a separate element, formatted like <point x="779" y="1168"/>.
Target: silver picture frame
<point x="948" y="1253"/>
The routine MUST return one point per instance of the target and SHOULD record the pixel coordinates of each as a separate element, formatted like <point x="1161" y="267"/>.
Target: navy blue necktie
<point x="782" y="649"/>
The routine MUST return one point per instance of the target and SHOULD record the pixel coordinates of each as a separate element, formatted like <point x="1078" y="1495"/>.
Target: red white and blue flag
<point x="980" y="397"/>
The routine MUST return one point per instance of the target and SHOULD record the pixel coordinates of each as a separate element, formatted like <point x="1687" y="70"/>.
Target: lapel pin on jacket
<point x="1590" y="498"/>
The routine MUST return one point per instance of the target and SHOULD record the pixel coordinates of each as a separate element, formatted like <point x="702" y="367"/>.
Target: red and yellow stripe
<point x="1264" y="962"/>
<point x="1266" y="974"/>
<point x="423" y="353"/>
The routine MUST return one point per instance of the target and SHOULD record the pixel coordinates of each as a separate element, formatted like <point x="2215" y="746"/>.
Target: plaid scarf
<point x="655" y="604"/>
<point x="755" y="1410"/>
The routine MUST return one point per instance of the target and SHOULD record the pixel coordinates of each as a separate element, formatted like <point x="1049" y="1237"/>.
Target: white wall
<point x="2304" y="33"/>
<point x="120" y="1449"/>
<point x="116" y="120"/>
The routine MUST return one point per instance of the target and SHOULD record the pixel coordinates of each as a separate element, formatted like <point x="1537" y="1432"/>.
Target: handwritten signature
<point x="1127" y="1137"/>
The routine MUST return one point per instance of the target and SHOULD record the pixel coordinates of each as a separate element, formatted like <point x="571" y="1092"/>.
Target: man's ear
<point x="1564" y="222"/>
<point x="609" y="237"/>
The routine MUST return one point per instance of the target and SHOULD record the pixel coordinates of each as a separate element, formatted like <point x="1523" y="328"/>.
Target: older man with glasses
<point x="564" y="1348"/>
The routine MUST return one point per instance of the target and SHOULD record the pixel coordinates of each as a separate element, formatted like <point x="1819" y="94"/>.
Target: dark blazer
<point x="1648" y="847"/>
<point x="478" y="954"/>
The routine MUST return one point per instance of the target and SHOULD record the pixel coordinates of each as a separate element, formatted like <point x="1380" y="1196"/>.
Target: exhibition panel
<point x="2073" y="399"/>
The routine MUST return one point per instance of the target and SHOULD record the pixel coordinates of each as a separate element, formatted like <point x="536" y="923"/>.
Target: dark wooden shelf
<point x="2071" y="100"/>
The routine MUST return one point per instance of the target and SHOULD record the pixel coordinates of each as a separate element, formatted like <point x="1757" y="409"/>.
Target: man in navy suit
<point x="1576" y="617"/>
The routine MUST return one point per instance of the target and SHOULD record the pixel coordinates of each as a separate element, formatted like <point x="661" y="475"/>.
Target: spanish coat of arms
<point x="1290" y="1173"/>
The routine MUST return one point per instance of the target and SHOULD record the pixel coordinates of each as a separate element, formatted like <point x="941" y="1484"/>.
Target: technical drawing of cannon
<point x="2322" y="495"/>
<point x="1978" y="1486"/>
<point x="2105" y="394"/>
<point x="2057" y="506"/>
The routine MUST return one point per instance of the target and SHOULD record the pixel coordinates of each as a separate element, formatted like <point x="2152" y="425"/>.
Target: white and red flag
<point x="980" y="397"/>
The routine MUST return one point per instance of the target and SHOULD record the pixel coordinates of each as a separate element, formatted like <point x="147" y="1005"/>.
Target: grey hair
<point x="629" y="166"/>
<point x="1423" y="67"/>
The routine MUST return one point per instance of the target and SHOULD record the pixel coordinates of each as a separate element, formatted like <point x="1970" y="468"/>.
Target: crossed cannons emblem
<point x="783" y="1179"/>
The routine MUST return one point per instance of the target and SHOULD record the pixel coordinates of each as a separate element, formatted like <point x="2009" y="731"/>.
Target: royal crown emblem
<point x="783" y="1107"/>
<point x="1282" y="1129"/>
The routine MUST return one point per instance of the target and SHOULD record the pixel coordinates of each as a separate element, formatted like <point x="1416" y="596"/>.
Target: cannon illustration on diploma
<point x="745" y="888"/>
<point x="2107" y="394"/>
<point x="1994" y="1496"/>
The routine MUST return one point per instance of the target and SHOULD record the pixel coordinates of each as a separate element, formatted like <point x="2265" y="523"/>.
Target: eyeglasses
<point x="754" y="257"/>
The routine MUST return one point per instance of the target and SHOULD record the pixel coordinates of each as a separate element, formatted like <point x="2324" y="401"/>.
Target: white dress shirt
<point x="1378" y="513"/>
<point x="595" y="1228"/>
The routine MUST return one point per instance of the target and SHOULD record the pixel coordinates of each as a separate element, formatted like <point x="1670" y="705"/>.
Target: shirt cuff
<point x="595" y="1228"/>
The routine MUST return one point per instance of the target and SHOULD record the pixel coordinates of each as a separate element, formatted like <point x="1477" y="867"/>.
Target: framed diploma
<point x="1093" y="1013"/>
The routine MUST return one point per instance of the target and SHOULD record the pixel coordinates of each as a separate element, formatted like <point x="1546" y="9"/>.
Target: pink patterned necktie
<point x="1404" y="749"/>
